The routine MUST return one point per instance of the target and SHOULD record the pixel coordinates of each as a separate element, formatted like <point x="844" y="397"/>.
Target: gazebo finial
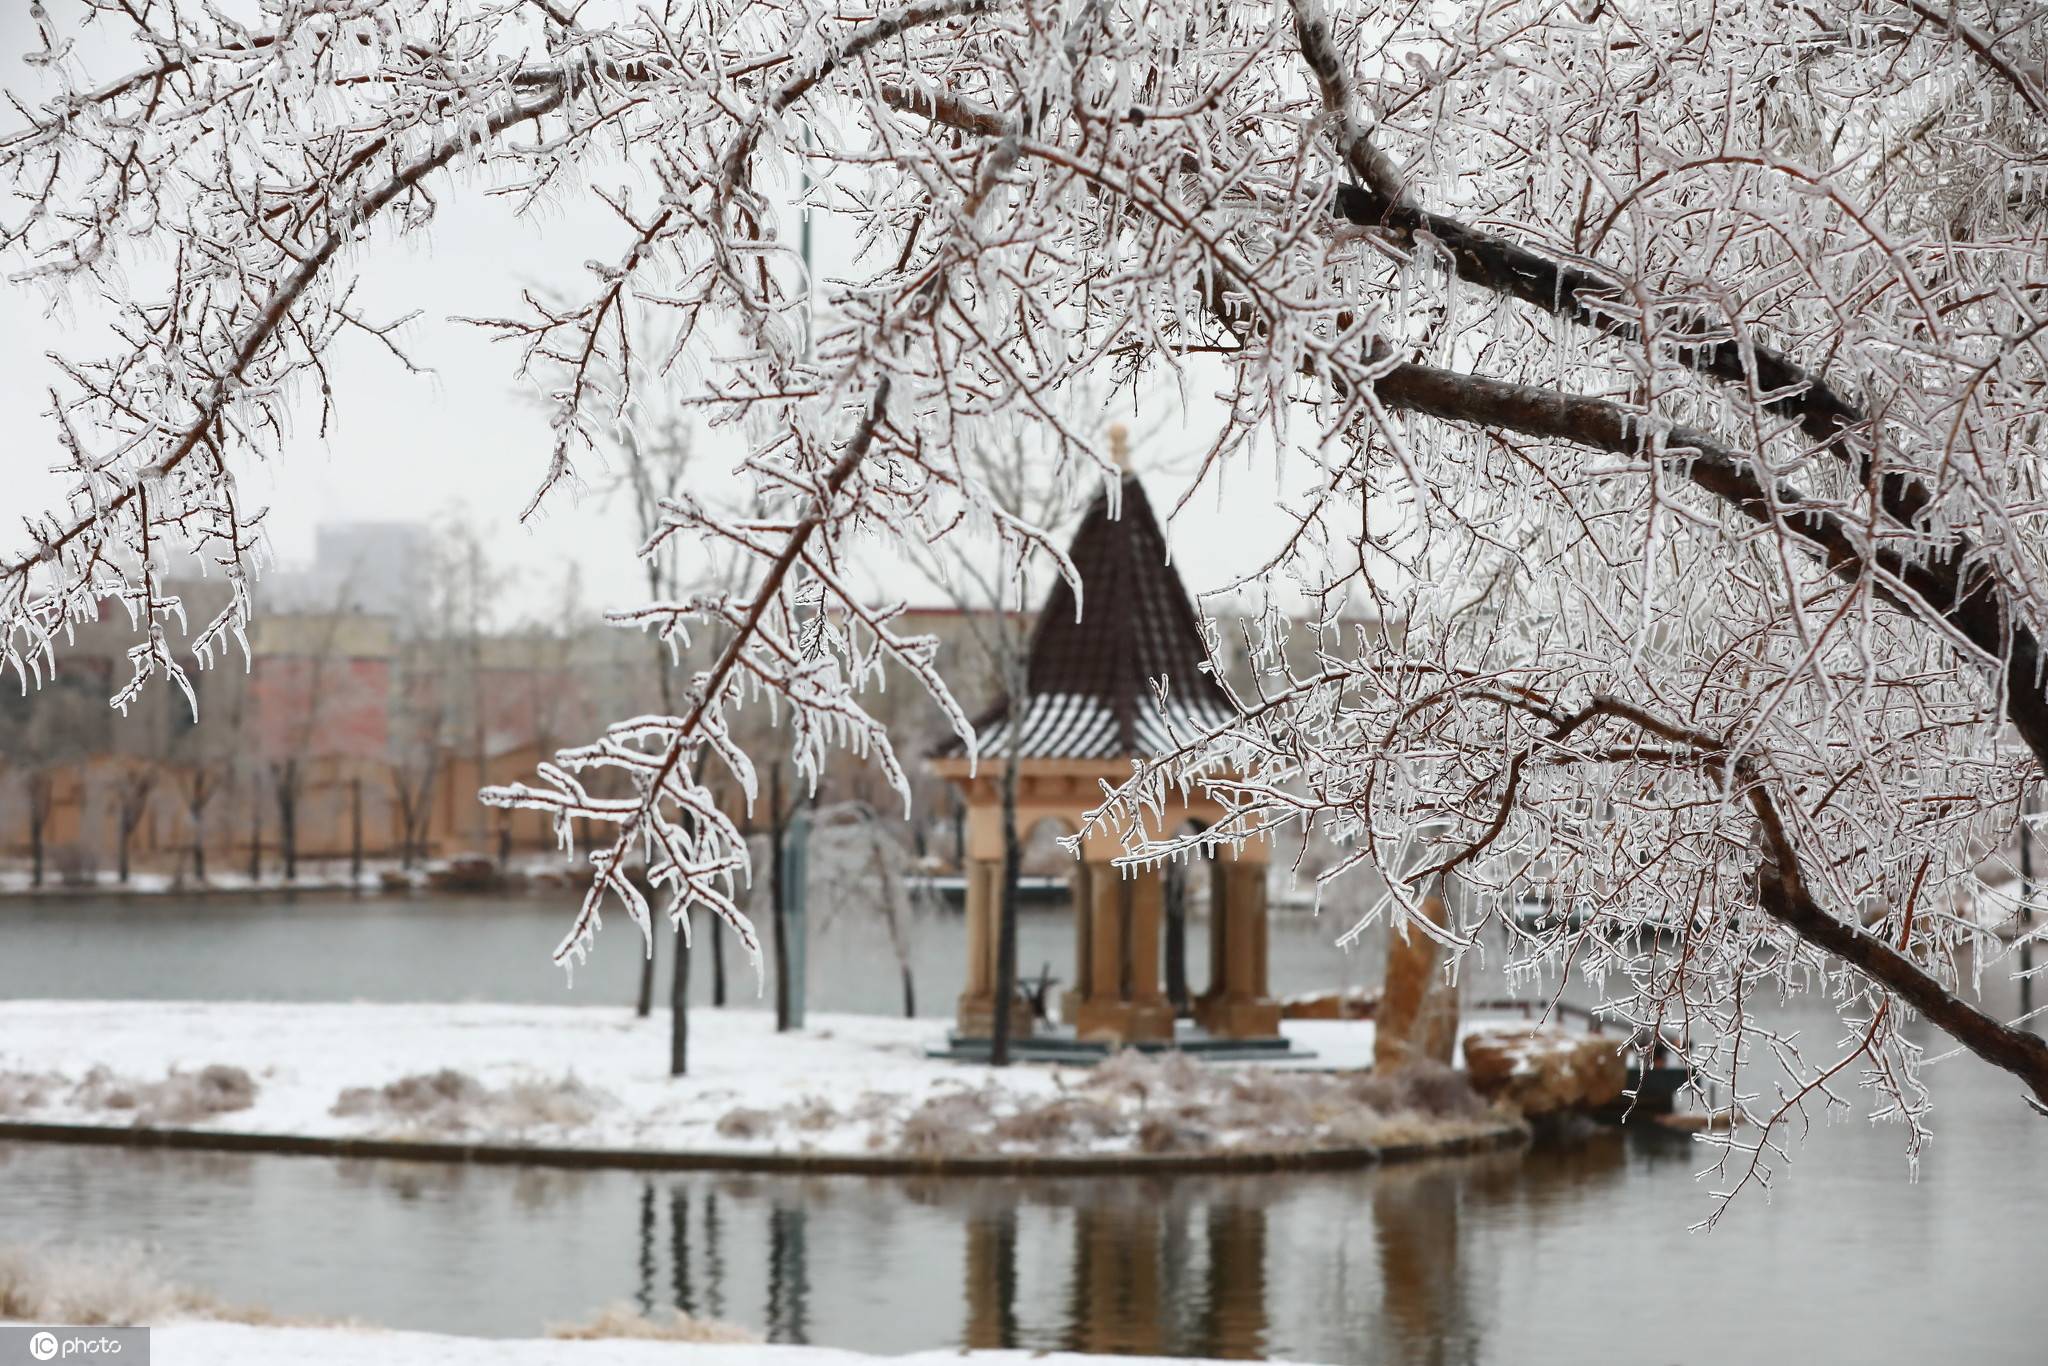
<point x="1120" y="446"/>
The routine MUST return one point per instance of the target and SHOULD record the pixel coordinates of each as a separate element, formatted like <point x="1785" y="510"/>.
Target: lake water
<point x="1576" y="1253"/>
<point x="322" y="947"/>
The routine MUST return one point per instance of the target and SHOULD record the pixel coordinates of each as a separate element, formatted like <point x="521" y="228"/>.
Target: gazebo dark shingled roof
<point x="1091" y="679"/>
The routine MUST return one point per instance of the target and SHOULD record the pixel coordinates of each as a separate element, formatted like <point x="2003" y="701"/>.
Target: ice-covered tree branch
<point x="1697" y="358"/>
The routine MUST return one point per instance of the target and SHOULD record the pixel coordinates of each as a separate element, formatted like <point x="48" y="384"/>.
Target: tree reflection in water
<point x="1171" y="1267"/>
<point x="1389" y="1265"/>
<point x="1500" y="1258"/>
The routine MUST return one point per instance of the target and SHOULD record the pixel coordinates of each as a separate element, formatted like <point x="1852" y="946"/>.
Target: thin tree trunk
<point x="2026" y="973"/>
<point x="355" y="832"/>
<point x="643" y="1005"/>
<point x="777" y="908"/>
<point x="678" y="985"/>
<point x="288" y="829"/>
<point x="198" y="814"/>
<point x="909" y="995"/>
<point x="255" y="838"/>
<point x="121" y="851"/>
<point x="717" y="967"/>
<point x="679" y="1006"/>
<point x="285" y="791"/>
<point x="1006" y="917"/>
<point x="38" y="816"/>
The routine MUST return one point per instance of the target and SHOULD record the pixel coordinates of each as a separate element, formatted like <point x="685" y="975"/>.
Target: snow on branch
<point x="1663" y="391"/>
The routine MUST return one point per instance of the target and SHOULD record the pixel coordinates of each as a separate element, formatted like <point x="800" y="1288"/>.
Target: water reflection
<point x="1509" y="1257"/>
<point x="991" y="1269"/>
<point x="1163" y="1267"/>
<point x="1423" y="1293"/>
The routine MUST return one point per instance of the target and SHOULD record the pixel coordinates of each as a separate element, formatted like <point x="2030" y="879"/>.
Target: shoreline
<point x="574" y="1157"/>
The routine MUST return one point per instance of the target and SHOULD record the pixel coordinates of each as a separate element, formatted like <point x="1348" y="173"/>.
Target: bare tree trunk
<point x="777" y="908"/>
<point x="2026" y="973"/>
<point x="909" y="995"/>
<point x="40" y="799"/>
<point x="679" y="1006"/>
<point x="717" y="967"/>
<point x="255" y="837"/>
<point x="644" y="1006"/>
<point x="198" y="816"/>
<point x="355" y="832"/>
<point x="288" y="826"/>
<point x="197" y="794"/>
<point x="1006" y="916"/>
<point x="415" y="812"/>
<point x="125" y="832"/>
<point x="284" y="790"/>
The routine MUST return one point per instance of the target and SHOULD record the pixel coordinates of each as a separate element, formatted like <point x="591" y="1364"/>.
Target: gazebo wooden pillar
<point x="1119" y="994"/>
<point x="1091" y="709"/>
<point x="1236" y="1005"/>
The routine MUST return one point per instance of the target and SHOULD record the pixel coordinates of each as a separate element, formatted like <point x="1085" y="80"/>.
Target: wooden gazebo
<point x="1091" y="709"/>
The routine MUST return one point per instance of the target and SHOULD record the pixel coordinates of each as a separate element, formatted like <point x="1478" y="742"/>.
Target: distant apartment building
<point x="375" y="568"/>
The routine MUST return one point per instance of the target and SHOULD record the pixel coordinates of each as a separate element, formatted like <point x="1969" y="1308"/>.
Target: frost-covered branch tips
<point x="1663" y="385"/>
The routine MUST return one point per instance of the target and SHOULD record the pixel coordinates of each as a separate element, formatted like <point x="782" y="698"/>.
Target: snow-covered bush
<point x="22" y="1092"/>
<point x="624" y="1321"/>
<point x="180" y="1098"/>
<point x="449" y="1101"/>
<point x="91" y="1284"/>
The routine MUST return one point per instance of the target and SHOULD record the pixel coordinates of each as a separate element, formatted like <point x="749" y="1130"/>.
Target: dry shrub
<point x="1277" y="1090"/>
<point x="1185" y="1105"/>
<point x="452" y="1102"/>
<point x="21" y="1092"/>
<point x="623" y="1321"/>
<point x="113" y="1283"/>
<point x="1441" y="1092"/>
<point x="1058" y="1122"/>
<point x="1380" y="1092"/>
<point x="87" y="1286"/>
<point x="1138" y="1075"/>
<point x="873" y="1106"/>
<point x="949" y="1125"/>
<point x="1161" y="1134"/>
<point x="744" y="1123"/>
<point x="180" y="1098"/>
<point x="564" y="1103"/>
<point x="814" y="1115"/>
<point x="416" y="1096"/>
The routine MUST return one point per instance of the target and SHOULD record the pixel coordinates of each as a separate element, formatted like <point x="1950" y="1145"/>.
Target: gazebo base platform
<point x="1056" y="1044"/>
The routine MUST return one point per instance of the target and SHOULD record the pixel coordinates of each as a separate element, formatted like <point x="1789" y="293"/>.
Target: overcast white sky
<point x="466" y="442"/>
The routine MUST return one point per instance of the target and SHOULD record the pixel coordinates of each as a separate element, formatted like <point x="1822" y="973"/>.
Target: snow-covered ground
<point x="225" y="878"/>
<point x="231" y="1344"/>
<point x="326" y="876"/>
<point x="597" y="1078"/>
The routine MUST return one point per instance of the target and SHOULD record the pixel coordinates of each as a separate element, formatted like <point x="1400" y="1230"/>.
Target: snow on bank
<point x="597" y="1078"/>
<point x="223" y="1344"/>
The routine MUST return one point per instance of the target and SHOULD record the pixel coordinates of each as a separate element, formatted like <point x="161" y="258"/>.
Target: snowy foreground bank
<point x="594" y="1078"/>
<point x="232" y="1344"/>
